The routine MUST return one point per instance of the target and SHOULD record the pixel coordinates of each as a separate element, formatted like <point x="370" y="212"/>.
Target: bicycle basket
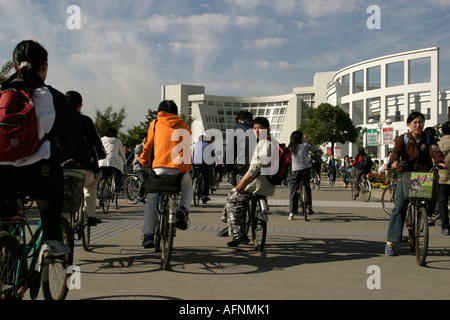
<point x="73" y="190"/>
<point x="420" y="185"/>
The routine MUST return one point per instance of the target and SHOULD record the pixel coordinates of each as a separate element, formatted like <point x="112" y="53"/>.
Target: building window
<point x="373" y="106"/>
<point x="394" y="107"/>
<point x="358" y="81"/>
<point x="419" y="70"/>
<point x="395" y="74"/>
<point x="358" y="112"/>
<point x="346" y="85"/>
<point x="374" y="78"/>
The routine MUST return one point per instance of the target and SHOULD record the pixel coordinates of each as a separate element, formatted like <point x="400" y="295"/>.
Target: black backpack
<point x="366" y="162"/>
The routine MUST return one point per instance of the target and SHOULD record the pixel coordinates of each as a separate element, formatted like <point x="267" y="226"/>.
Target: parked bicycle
<point x="73" y="205"/>
<point x="256" y="220"/>
<point x="131" y="187"/>
<point x="365" y="187"/>
<point x="108" y="194"/>
<point x="23" y="267"/>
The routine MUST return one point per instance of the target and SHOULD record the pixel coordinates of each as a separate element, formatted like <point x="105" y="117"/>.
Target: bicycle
<point x="365" y="187"/>
<point x="256" y="220"/>
<point x="73" y="209"/>
<point x="131" y="187"/>
<point x="303" y="199"/>
<point x="315" y="182"/>
<point x="108" y="193"/>
<point x="20" y="258"/>
<point x="388" y="196"/>
<point x="198" y="186"/>
<point x="165" y="232"/>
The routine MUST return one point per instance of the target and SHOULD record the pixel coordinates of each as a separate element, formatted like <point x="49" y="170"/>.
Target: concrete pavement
<point x="337" y="254"/>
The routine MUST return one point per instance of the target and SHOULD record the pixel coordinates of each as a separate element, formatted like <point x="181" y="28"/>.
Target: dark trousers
<point x="296" y="177"/>
<point x="442" y="200"/>
<point x="43" y="181"/>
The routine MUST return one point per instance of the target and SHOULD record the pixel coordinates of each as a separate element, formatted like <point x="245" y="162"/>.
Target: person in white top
<point x="115" y="158"/>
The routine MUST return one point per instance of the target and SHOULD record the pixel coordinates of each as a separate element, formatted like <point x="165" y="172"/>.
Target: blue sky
<point x="125" y="50"/>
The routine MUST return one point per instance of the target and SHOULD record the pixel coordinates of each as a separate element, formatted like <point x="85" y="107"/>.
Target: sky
<point x="120" y="52"/>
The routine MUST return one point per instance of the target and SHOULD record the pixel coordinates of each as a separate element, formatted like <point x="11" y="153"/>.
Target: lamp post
<point x="380" y="127"/>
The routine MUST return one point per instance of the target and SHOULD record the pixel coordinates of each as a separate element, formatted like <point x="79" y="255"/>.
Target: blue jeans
<point x="398" y="216"/>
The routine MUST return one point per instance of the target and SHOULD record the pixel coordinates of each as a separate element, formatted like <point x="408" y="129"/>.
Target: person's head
<point x="75" y="99"/>
<point x="430" y="131"/>
<point x="143" y="137"/>
<point x="168" y="106"/>
<point x="126" y="147"/>
<point x="111" y="132"/>
<point x="446" y="128"/>
<point x="361" y="150"/>
<point x="243" y="115"/>
<point x="260" y="124"/>
<point x="416" y="122"/>
<point x="30" y="64"/>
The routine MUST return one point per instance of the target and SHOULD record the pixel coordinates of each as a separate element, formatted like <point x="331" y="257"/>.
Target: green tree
<point x="5" y="71"/>
<point x="109" y="119"/>
<point x="329" y="123"/>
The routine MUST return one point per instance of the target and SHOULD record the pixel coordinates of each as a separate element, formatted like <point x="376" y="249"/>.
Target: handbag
<point x="154" y="183"/>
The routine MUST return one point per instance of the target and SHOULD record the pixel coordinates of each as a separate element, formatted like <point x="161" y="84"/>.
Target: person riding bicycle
<point x="416" y="149"/>
<point x="138" y="168"/>
<point x="253" y="182"/>
<point x="316" y="165"/>
<point x="345" y="170"/>
<point x="115" y="158"/>
<point x="331" y="168"/>
<point x="363" y="165"/>
<point x="40" y="174"/>
<point x="202" y="162"/>
<point x="300" y="147"/>
<point x="167" y="161"/>
<point x="92" y="147"/>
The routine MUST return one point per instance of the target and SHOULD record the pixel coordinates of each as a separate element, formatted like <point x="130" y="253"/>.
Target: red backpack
<point x="284" y="160"/>
<point x="18" y="126"/>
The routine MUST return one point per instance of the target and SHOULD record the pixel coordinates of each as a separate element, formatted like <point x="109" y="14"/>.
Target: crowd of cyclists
<point x="69" y="140"/>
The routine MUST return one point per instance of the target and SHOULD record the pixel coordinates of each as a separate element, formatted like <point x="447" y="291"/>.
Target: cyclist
<point x="300" y="147"/>
<point x="253" y="182"/>
<point x="444" y="179"/>
<point x="362" y="165"/>
<point x="115" y="159"/>
<point x="331" y="167"/>
<point x="138" y="168"/>
<point x="164" y="163"/>
<point x="417" y="153"/>
<point x="92" y="147"/>
<point x="40" y="175"/>
<point x="316" y="165"/>
<point x="345" y="170"/>
<point x="202" y="163"/>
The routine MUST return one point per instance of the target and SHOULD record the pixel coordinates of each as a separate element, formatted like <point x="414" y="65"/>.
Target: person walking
<point x="444" y="179"/>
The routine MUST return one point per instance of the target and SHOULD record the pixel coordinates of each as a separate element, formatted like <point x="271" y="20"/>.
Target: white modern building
<point x="378" y="94"/>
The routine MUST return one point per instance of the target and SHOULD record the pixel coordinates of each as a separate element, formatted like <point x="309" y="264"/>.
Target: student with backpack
<point x="300" y="147"/>
<point x="363" y="165"/>
<point x="35" y="171"/>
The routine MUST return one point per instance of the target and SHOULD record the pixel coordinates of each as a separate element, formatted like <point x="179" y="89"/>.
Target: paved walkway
<point x="328" y="257"/>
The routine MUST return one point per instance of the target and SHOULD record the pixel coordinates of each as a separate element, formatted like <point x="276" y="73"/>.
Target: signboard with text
<point x="372" y="137"/>
<point x="388" y="135"/>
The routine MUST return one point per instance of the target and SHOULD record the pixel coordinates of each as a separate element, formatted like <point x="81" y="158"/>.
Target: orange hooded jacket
<point x="172" y="141"/>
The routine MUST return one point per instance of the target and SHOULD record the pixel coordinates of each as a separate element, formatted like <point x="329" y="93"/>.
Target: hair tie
<point x="25" y="64"/>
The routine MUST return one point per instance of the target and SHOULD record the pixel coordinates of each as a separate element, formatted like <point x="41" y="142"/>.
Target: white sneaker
<point x="291" y="216"/>
<point x="53" y="248"/>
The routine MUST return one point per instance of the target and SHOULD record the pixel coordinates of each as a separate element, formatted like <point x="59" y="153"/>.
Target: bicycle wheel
<point x="353" y="189"/>
<point x="105" y="198"/>
<point x="54" y="270"/>
<point x="85" y="229"/>
<point x="388" y="199"/>
<point x="410" y="224"/>
<point x="421" y="235"/>
<point x="195" y="187"/>
<point x="304" y="203"/>
<point x="114" y="193"/>
<point x="366" y="190"/>
<point x="9" y="258"/>
<point x="259" y="228"/>
<point x="167" y="231"/>
<point x="131" y="187"/>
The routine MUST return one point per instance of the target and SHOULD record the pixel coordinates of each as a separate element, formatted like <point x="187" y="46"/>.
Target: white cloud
<point x="264" y="43"/>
